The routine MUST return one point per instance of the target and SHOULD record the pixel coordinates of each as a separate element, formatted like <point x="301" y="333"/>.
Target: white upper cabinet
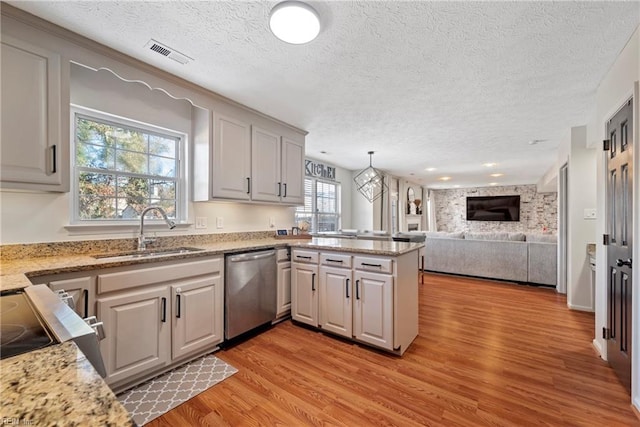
<point x="235" y="159"/>
<point x="231" y="174"/>
<point x="265" y="170"/>
<point x="34" y="132"/>
<point x="292" y="172"/>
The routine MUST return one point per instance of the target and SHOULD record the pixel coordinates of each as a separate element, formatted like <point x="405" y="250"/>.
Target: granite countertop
<point x="43" y="388"/>
<point x="372" y="247"/>
<point x="13" y="271"/>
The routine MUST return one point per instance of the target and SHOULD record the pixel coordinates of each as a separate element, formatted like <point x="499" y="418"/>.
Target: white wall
<point x="361" y="208"/>
<point x="42" y="217"/>
<point x="581" y="196"/>
<point x="345" y="178"/>
<point x="617" y="86"/>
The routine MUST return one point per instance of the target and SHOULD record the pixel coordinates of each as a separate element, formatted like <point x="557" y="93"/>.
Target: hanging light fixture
<point x="370" y="182"/>
<point x="294" y="22"/>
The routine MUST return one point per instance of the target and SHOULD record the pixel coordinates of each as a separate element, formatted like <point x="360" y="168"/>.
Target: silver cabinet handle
<point x="98" y="327"/>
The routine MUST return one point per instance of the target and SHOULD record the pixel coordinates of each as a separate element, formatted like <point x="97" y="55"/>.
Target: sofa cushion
<point x="516" y="237"/>
<point x="542" y="238"/>
<point x="444" y="235"/>
<point x="486" y="236"/>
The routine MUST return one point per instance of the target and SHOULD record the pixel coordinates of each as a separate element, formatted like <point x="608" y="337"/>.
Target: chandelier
<point x="370" y="182"/>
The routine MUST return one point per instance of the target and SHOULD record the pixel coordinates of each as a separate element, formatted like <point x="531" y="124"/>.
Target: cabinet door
<point x="197" y="315"/>
<point x="231" y="174"/>
<point x="304" y="293"/>
<point x="265" y="169"/>
<point x="292" y="172"/>
<point x="284" y="288"/>
<point x="335" y="300"/>
<point x="137" y="332"/>
<point x="373" y="309"/>
<point x="31" y="115"/>
<point x="83" y="292"/>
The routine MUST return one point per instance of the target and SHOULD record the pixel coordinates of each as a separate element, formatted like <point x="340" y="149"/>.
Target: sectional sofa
<point x="530" y="258"/>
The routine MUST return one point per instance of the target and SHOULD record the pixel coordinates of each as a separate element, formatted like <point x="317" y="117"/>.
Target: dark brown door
<point x="619" y="218"/>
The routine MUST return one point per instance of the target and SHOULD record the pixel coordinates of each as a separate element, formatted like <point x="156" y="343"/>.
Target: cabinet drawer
<point x="335" y="260"/>
<point x="379" y="265"/>
<point x="310" y="257"/>
<point x="151" y="275"/>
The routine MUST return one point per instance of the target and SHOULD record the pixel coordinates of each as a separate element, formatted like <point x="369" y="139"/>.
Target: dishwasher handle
<point x="251" y="256"/>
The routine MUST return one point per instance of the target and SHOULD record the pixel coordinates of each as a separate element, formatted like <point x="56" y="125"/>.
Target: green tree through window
<point x="120" y="170"/>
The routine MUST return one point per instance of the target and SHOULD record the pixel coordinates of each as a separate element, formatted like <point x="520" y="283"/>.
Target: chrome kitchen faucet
<point x="142" y="241"/>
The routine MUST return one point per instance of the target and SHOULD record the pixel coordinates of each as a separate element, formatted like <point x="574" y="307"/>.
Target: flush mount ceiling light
<point x="370" y="182"/>
<point x="294" y="22"/>
<point x="489" y="165"/>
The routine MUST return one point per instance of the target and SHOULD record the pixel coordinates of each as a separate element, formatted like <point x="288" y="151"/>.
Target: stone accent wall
<point x="538" y="211"/>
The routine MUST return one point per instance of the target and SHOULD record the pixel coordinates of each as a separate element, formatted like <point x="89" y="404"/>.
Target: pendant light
<point x="370" y="182"/>
<point x="294" y="22"/>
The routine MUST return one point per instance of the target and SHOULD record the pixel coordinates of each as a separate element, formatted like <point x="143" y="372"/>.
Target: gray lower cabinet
<point x="81" y="289"/>
<point x="368" y="298"/>
<point x="304" y="291"/>
<point x="158" y="317"/>
<point x="137" y="332"/>
<point x="336" y="295"/>
<point x="284" y="283"/>
<point x="195" y="315"/>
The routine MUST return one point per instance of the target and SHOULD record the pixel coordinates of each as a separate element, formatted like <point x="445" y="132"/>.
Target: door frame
<point x="563" y="229"/>
<point x="602" y="254"/>
<point x="635" y="232"/>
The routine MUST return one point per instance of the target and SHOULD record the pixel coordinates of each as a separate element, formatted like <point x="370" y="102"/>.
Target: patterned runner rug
<point x="161" y="394"/>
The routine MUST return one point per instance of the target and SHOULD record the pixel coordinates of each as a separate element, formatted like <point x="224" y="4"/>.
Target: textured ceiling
<point x="450" y="85"/>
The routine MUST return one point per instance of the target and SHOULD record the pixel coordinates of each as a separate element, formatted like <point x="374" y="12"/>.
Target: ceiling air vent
<point x="165" y="50"/>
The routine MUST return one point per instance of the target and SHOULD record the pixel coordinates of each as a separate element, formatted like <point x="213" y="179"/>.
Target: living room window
<point x="121" y="167"/>
<point x="321" y="205"/>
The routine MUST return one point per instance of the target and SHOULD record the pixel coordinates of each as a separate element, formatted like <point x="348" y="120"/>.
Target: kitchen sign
<point x="319" y="170"/>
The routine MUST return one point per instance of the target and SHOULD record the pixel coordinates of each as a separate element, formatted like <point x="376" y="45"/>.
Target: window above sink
<point x="121" y="166"/>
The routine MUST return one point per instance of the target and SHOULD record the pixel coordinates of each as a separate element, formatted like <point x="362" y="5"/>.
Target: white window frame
<point x="314" y="203"/>
<point x="181" y="167"/>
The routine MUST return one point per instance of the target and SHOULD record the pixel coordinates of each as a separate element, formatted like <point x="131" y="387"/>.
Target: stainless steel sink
<point x="150" y="253"/>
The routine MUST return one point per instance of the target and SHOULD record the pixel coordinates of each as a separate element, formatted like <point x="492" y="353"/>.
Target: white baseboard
<point x="580" y="308"/>
<point x="598" y="347"/>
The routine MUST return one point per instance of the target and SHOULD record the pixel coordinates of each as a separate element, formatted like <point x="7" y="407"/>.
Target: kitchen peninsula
<point x="394" y="263"/>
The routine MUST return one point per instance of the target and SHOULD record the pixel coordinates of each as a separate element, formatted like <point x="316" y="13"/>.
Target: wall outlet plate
<point x="219" y="222"/>
<point x="201" y="222"/>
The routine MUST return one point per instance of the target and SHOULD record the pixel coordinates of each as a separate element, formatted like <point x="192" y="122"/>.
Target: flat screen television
<point x="493" y="208"/>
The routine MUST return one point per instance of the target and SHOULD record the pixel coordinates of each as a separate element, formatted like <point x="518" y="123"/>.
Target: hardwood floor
<point x="488" y="354"/>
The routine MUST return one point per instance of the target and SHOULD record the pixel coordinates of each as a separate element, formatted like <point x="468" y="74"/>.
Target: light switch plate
<point x="589" y="214"/>
<point x="219" y="222"/>
<point x="201" y="222"/>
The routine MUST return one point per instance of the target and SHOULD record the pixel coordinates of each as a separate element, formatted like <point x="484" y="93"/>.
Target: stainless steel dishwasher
<point x="250" y="291"/>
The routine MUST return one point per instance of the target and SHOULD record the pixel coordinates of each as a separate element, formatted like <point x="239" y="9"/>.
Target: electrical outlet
<point x="219" y="222"/>
<point x="201" y="222"/>
<point x="272" y="222"/>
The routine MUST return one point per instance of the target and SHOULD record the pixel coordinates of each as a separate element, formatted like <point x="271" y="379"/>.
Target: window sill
<point x="111" y="228"/>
